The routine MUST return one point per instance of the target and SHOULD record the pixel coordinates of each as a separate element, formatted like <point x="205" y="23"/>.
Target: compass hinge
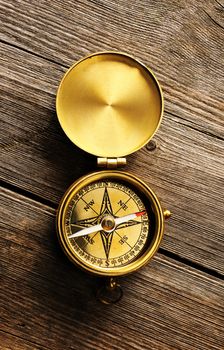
<point x="111" y="163"/>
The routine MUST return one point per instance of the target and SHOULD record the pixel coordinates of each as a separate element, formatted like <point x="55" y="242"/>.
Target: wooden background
<point x="176" y="302"/>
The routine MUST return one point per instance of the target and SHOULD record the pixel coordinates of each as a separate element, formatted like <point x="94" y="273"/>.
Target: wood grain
<point x="48" y="303"/>
<point x="11" y="342"/>
<point x="175" y="302"/>
<point x="182" y="41"/>
<point x="186" y="169"/>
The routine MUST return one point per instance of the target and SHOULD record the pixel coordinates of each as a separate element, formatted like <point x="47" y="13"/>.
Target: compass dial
<point x="102" y="202"/>
<point x="107" y="223"/>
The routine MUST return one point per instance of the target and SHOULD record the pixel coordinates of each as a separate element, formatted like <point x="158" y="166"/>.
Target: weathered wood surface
<point x="46" y="302"/>
<point x="51" y="305"/>
<point x="186" y="169"/>
<point x="182" y="41"/>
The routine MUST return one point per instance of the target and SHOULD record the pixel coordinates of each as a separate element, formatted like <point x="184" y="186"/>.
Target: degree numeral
<point x="88" y="205"/>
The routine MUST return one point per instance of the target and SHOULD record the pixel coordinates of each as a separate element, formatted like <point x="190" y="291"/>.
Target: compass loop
<point x="110" y="293"/>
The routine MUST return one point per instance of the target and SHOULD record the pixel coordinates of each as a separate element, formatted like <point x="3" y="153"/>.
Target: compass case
<point x="109" y="104"/>
<point x="156" y="218"/>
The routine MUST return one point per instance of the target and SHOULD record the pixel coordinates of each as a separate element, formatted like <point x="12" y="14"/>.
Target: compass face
<point x="98" y="205"/>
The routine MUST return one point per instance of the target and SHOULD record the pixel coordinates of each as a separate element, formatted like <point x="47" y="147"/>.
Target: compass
<point x="109" y="222"/>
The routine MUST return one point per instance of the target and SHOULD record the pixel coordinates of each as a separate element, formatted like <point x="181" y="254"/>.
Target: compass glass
<point x="99" y="201"/>
<point x="108" y="223"/>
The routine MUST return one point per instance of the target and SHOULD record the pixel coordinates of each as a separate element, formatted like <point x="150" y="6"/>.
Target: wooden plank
<point x="181" y="41"/>
<point x="186" y="169"/>
<point x="48" y="302"/>
<point x="11" y="342"/>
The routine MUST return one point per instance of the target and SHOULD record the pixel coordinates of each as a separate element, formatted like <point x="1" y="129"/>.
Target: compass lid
<point x="109" y="104"/>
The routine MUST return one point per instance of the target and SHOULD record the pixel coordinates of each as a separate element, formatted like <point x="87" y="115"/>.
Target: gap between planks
<point x="51" y="205"/>
<point x="194" y="127"/>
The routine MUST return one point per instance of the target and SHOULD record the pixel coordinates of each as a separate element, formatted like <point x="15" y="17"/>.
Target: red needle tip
<point x="140" y="213"/>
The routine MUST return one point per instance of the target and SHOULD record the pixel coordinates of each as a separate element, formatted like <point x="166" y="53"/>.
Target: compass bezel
<point x="141" y="187"/>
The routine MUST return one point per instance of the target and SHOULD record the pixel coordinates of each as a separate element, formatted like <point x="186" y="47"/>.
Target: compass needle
<point x="86" y="231"/>
<point x="118" y="221"/>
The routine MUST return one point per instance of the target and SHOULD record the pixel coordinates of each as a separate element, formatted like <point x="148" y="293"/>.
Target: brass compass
<point x="109" y="222"/>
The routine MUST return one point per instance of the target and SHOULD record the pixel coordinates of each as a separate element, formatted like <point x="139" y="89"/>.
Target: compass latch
<point x="111" y="163"/>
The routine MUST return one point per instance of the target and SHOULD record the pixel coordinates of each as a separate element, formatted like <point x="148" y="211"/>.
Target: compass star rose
<point x="105" y="210"/>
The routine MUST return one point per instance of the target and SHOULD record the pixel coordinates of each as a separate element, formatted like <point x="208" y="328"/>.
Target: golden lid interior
<point x="109" y="104"/>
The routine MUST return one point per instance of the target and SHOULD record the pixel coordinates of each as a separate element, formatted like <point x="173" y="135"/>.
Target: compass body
<point x="109" y="222"/>
<point x="101" y="198"/>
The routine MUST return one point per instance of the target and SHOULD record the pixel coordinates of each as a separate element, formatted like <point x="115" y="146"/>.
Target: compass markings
<point x="105" y="205"/>
<point x="87" y="222"/>
<point x="91" y="238"/>
<point x="122" y="238"/>
<point x="76" y="225"/>
<point x="106" y="208"/>
<point x="107" y="240"/>
<point x="121" y="207"/>
<point x="88" y="206"/>
<point x="128" y="224"/>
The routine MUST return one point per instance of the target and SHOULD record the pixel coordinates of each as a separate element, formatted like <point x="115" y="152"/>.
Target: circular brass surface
<point x="108" y="223"/>
<point x="109" y="104"/>
<point x="107" y="253"/>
